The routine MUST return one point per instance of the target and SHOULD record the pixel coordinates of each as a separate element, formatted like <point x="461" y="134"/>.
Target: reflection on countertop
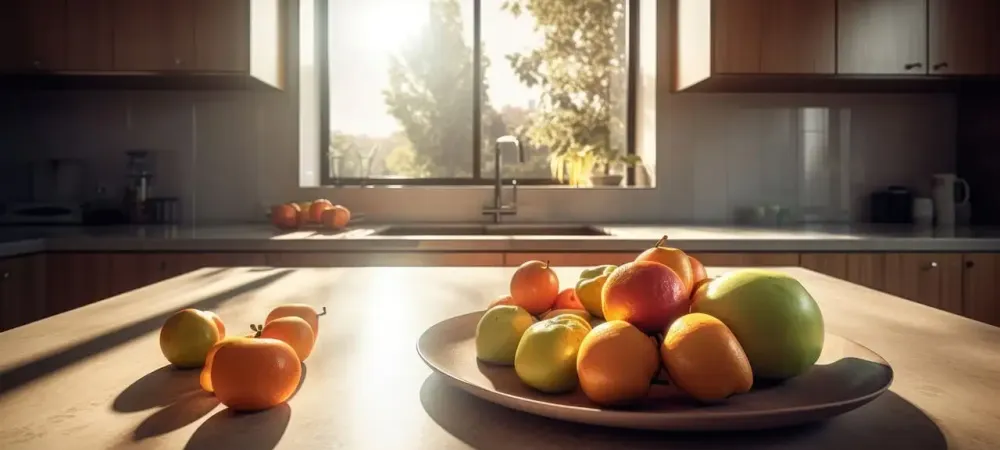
<point x="620" y="237"/>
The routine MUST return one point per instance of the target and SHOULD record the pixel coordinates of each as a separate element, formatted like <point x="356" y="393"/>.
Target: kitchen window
<point x="416" y="92"/>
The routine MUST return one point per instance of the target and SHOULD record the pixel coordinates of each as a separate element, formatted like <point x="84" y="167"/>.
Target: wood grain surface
<point x="94" y="377"/>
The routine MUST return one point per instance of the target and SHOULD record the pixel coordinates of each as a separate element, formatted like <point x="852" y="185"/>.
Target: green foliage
<point x="580" y="69"/>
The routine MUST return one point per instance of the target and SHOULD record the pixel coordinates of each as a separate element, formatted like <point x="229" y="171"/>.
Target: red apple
<point x="285" y="216"/>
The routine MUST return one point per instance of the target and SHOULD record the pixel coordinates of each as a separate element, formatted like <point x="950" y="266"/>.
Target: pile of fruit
<point x="247" y="373"/>
<point x="658" y="319"/>
<point x="317" y="213"/>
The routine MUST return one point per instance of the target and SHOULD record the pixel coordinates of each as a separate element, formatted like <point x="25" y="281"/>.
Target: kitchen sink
<point x="491" y="230"/>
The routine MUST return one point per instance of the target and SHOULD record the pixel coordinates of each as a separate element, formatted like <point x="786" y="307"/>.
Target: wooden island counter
<point x="94" y="377"/>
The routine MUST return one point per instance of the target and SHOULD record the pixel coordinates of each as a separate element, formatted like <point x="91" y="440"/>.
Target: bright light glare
<point x="385" y="29"/>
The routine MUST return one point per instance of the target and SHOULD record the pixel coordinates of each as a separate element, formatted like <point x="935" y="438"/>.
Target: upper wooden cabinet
<point x="882" y="37"/>
<point x="145" y="37"/>
<point x="798" y="37"/>
<point x="957" y="37"/>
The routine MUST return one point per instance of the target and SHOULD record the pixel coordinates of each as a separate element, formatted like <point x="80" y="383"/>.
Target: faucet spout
<point x="498" y="208"/>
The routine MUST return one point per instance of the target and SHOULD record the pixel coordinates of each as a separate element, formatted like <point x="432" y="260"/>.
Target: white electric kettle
<point x="948" y="191"/>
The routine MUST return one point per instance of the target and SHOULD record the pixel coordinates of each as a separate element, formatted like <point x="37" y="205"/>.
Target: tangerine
<point x="673" y="258"/>
<point x="255" y="374"/>
<point x="534" y="287"/>
<point x="293" y="331"/>
<point x="704" y="359"/>
<point x="300" y="310"/>
<point x="616" y="363"/>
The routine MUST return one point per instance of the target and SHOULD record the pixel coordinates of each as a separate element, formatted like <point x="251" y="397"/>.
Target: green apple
<point x="576" y="312"/>
<point x="774" y="318"/>
<point x="546" y="356"/>
<point x="499" y="331"/>
<point x="588" y="288"/>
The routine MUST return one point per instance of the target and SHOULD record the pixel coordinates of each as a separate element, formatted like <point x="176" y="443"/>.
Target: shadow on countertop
<point x="247" y="431"/>
<point x="17" y="376"/>
<point x="888" y="420"/>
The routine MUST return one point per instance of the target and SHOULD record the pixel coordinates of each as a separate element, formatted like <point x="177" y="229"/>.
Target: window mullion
<point x="477" y="97"/>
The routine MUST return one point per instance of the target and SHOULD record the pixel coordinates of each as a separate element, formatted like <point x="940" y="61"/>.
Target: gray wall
<point x="230" y="154"/>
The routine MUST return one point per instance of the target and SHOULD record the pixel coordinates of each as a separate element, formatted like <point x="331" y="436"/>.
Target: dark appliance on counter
<point x="893" y="204"/>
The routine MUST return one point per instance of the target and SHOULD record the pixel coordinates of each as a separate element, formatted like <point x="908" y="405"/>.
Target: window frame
<point x="477" y="179"/>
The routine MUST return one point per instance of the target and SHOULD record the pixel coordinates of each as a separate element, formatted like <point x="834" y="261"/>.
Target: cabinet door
<point x="77" y="279"/>
<point x="867" y="269"/>
<point x="90" y="35"/>
<point x="736" y="36"/>
<point x="32" y="35"/>
<point x="154" y="35"/>
<point x="832" y="264"/>
<point x="222" y="35"/>
<point x="748" y="259"/>
<point x="798" y="37"/>
<point x="993" y="37"/>
<point x="934" y="279"/>
<point x="981" y="288"/>
<point x="957" y="37"/>
<point x="22" y="290"/>
<point x="882" y="37"/>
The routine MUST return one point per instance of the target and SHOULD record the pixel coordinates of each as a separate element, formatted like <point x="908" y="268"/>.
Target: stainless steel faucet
<point x="499" y="209"/>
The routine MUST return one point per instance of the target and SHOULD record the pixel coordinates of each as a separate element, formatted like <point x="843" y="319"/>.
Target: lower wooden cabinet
<point x="748" y="259"/>
<point x="981" y="287"/>
<point x="933" y="279"/>
<point x="22" y="290"/>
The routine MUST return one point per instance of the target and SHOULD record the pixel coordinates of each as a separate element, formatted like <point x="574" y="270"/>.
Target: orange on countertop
<point x="336" y="217"/>
<point x="534" y="287"/>
<point x="300" y="310"/>
<point x="293" y="331"/>
<point x="616" y="363"/>
<point x="255" y="374"/>
<point x="704" y="359"/>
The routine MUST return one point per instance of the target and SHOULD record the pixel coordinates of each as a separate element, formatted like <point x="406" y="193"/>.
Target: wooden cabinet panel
<point x="866" y="269"/>
<point x="957" y="37"/>
<point x="798" y="37"/>
<point x="934" y="279"/>
<point x="882" y="37"/>
<point x="748" y="259"/>
<point x="736" y="26"/>
<point x="22" y="290"/>
<point x="33" y="35"/>
<point x="993" y="37"/>
<point x="77" y="279"/>
<point x="571" y="259"/>
<point x="369" y="259"/>
<point x="222" y="35"/>
<point x="154" y="35"/>
<point x="981" y="287"/>
<point x="90" y="35"/>
<point x="832" y="264"/>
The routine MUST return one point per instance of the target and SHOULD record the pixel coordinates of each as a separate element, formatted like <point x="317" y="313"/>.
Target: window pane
<point x="401" y="88"/>
<point x="556" y="77"/>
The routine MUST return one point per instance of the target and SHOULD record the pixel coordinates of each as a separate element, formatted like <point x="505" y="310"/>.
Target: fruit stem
<point x="322" y="313"/>
<point x="256" y="329"/>
<point x="547" y="265"/>
<point x="662" y="242"/>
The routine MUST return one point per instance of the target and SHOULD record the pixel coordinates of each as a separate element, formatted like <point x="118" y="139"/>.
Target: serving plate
<point x="846" y="377"/>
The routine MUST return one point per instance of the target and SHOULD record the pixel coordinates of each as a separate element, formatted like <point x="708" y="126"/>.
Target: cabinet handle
<point x="177" y="61"/>
<point x="940" y="66"/>
<point x="912" y="66"/>
<point x="932" y="265"/>
<point x="970" y="264"/>
<point x="6" y="275"/>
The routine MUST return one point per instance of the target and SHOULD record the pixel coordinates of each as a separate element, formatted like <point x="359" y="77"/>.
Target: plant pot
<point x="606" y="180"/>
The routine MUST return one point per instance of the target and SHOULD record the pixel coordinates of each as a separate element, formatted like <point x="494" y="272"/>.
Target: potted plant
<point x="590" y="166"/>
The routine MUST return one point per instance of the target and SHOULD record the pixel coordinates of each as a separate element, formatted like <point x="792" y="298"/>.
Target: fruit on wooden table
<point x="205" y="378"/>
<point x="304" y="208"/>
<point x="317" y="208"/>
<point x="776" y="321"/>
<point x="673" y="258"/>
<point x="567" y="299"/>
<point x="534" y="287"/>
<point x="704" y="359"/>
<point x="217" y="321"/>
<point x="546" y="356"/>
<point x="293" y="331"/>
<point x="499" y="331"/>
<point x="501" y="300"/>
<point x="646" y="294"/>
<point x="254" y="374"/>
<point x="300" y="310"/>
<point x="336" y="217"/>
<point x="616" y="363"/>
<point x="699" y="271"/>
<point x="285" y="216"/>
<point x="589" y="286"/>
<point x="186" y="338"/>
<point x="576" y="312"/>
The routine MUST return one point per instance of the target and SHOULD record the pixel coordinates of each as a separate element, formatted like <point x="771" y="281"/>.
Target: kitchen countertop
<point x="94" y="377"/>
<point x="625" y="238"/>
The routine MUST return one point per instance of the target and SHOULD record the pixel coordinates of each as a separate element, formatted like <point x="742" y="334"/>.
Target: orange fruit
<point x="293" y="331"/>
<point x="567" y="299"/>
<point x="646" y="294"/>
<point x="698" y="269"/>
<point x="285" y="216"/>
<point x="673" y="258"/>
<point x="501" y="300"/>
<point x="336" y="217"/>
<point x="300" y="310"/>
<point x="205" y="378"/>
<point x="254" y="374"/>
<point x="616" y="363"/>
<point x="704" y="359"/>
<point x="534" y="287"/>
<point x="317" y="208"/>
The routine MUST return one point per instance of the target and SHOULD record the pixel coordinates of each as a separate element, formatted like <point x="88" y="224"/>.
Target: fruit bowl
<point x="846" y="377"/>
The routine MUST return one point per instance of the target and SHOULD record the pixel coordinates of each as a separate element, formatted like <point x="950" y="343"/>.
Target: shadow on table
<point x="186" y="410"/>
<point x="160" y="387"/>
<point x="254" y="431"/>
<point x="15" y="377"/>
<point x="887" y="420"/>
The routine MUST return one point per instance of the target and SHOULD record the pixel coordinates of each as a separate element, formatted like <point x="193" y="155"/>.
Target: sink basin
<point x="491" y="230"/>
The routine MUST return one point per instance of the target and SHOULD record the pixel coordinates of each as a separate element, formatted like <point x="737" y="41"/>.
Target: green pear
<point x="546" y="355"/>
<point x="499" y="331"/>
